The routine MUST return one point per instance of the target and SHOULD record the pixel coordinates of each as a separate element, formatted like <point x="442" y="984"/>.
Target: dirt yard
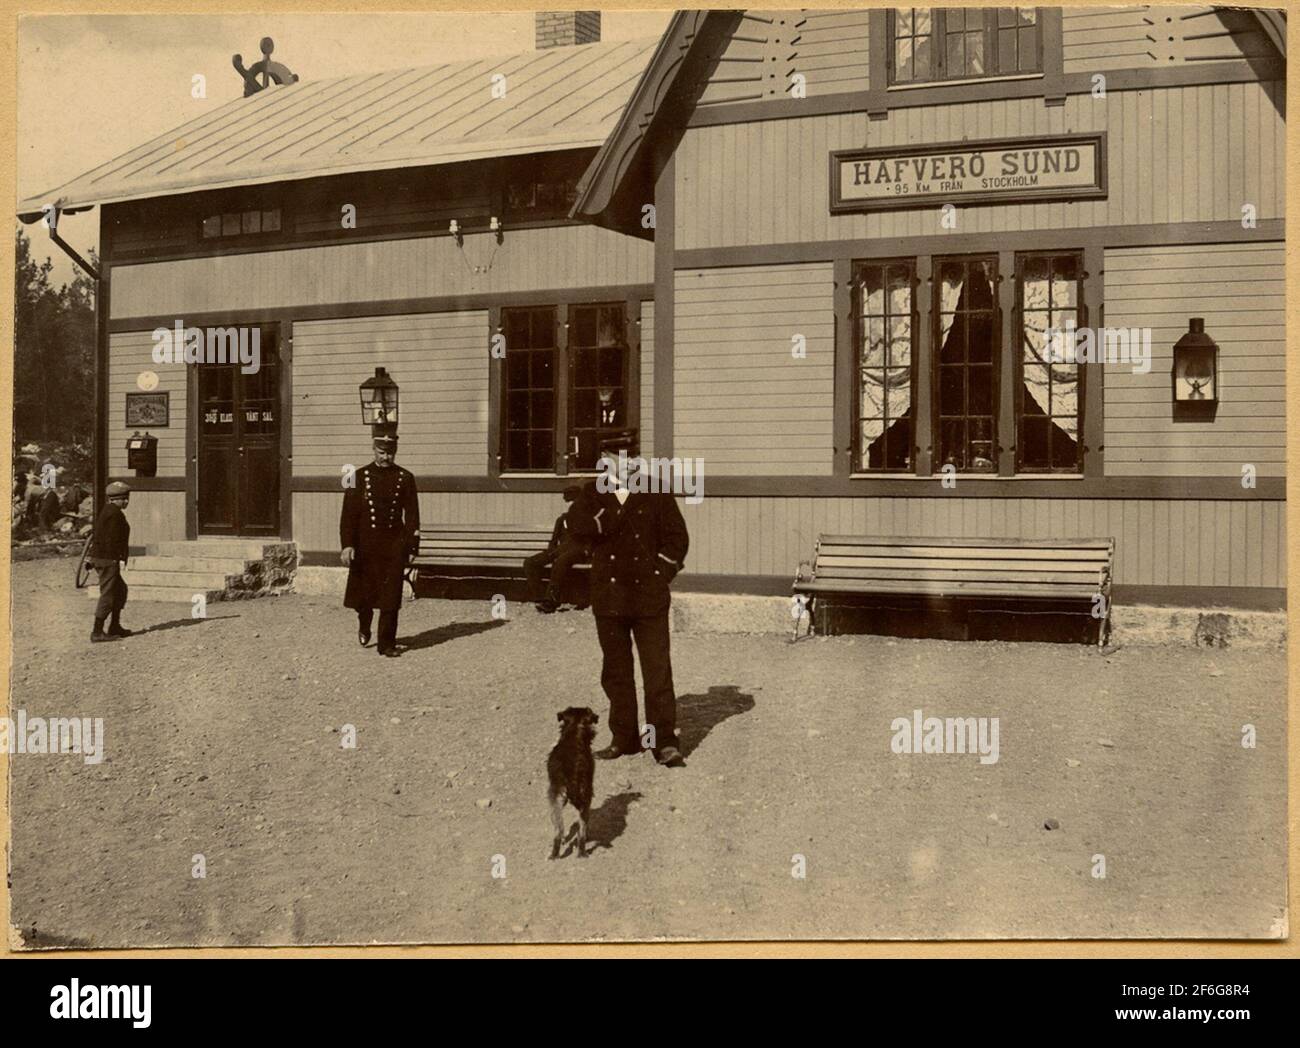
<point x="223" y="740"/>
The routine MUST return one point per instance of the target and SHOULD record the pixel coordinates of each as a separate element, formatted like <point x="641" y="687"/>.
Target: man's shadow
<point x="451" y="631"/>
<point x="176" y="624"/>
<point x="697" y="715"/>
<point x="607" y="823"/>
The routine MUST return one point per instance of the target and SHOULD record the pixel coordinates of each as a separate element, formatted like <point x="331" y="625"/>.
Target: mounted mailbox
<point x="142" y="454"/>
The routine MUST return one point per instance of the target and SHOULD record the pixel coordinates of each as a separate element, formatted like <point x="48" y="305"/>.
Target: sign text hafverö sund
<point x="1070" y="167"/>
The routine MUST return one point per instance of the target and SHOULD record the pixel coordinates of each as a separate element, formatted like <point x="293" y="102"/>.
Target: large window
<point x="565" y="385"/>
<point x="885" y="341"/>
<point x="962" y="43"/>
<point x="966" y="362"/>
<point x="529" y="442"/>
<point x="1048" y="396"/>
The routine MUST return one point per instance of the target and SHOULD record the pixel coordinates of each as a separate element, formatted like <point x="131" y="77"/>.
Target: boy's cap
<point x="572" y="492"/>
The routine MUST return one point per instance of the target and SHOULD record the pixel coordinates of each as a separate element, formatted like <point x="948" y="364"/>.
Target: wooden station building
<point x="823" y="252"/>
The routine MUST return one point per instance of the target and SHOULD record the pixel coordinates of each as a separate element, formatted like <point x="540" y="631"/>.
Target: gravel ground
<point x="223" y="739"/>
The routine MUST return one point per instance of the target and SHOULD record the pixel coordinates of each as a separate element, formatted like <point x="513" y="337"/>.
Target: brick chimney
<point x="566" y="28"/>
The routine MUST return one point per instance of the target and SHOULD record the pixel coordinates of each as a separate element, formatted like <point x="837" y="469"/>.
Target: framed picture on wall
<point x="150" y="410"/>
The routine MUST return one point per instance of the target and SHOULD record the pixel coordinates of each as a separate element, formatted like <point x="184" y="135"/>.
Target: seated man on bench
<point x="564" y="551"/>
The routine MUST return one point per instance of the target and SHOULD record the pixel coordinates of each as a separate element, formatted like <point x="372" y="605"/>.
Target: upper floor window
<point x="241" y="223"/>
<point x="962" y="43"/>
<point x="540" y="198"/>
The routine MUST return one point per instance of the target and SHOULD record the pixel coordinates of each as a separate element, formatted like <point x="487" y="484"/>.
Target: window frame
<point x="563" y="365"/>
<point x="939" y="54"/>
<point x="857" y="459"/>
<point x="995" y="364"/>
<point x="1022" y="257"/>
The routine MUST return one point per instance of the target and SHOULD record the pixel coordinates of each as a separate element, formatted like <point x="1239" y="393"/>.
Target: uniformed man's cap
<point x="117" y="488"/>
<point x="623" y="440"/>
<point x="385" y="436"/>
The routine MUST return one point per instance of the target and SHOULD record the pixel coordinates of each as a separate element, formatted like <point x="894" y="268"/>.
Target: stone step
<point x="197" y="581"/>
<point x="169" y="594"/>
<point x="224" y="565"/>
<point x="244" y="549"/>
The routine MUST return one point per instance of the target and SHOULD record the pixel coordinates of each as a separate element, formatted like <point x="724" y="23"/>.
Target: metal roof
<point x="557" y="98"/>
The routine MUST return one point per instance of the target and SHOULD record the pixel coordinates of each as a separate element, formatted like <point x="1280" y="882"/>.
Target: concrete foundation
<point x="1131" y="625"/>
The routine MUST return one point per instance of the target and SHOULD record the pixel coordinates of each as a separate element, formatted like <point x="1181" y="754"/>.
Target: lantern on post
<point x="379" y="400"/>
<point x="1196" y="366"/>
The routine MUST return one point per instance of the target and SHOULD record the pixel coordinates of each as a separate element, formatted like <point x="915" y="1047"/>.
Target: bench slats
<point x="966" y="589"/>
<point x="965" y="543"/>
<point x="830" y="565"/>
<point x="1084" y="578"/>
<point x="906" y="553"/>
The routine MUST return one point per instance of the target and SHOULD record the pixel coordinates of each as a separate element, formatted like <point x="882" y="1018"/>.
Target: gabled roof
<point x="557" y="98"/>
<point x="690" y="34"/>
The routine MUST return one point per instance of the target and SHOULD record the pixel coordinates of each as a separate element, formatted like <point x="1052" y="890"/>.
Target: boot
<point x="97" y="635"/>
<point x="115" y="628"/>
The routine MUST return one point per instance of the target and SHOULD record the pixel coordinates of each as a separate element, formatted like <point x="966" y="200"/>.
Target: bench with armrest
<point x="1047" y="572"/>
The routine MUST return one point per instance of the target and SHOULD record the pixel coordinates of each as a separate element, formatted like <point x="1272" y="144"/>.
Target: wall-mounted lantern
<point x="1196" y="366"/>
<point x="379" y="400"/>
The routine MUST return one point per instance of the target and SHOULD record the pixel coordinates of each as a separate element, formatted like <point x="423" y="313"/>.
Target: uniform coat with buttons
<point x="637" y="548"/>
<point x="381" y="523"/>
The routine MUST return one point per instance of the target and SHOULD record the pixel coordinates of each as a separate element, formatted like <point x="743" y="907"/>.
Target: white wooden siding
<point x="527" y="260"/>
<point x="130" y="354"/>
<point x="741" y="400"/>
<point x="1215" y="148"/>
<point x="440" y="363"/>
<point x="1240" y="290"/>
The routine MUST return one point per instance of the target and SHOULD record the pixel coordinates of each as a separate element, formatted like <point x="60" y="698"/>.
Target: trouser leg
<point x="365" y="617"/>
<point x="654" y="653"/>
<point x="617" y="678"/>
<point x="535" y="571"/>
<point x="110" y="580"/>
<point x="564" y="560"/>
<point x="387" y="629"/>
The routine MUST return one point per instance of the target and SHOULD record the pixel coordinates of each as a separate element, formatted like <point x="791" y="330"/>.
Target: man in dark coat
<point x="639" y="544"/>
<point x="379" y="531"/>
<point x="563" y="551"/>
<point x="109" y="549"/>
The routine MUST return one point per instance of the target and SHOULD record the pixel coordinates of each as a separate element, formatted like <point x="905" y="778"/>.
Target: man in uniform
<point x="379" y="531"/>
<point x="639" y="544"/>
<point x="109" y="550"/>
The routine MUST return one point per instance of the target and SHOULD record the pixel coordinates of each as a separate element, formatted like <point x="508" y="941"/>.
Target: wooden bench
<point x="471" y="559"/>
<point x="1059" y="571"/>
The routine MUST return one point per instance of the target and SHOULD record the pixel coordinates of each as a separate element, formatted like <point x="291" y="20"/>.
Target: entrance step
<point x="223" y="565"/>
<point x="170" y="594"/>
<point x="217" y="568"/>
<point x="243" y="549"/>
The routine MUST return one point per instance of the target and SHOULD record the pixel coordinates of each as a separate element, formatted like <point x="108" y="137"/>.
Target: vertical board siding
<point x="647" y="378"/>
<point x="1221" y="145"/>
<point x="156" y="516"/>
<point x="129" y="354"/>
<point x="1098" y="39"/>
<point x="742" y="401"/>
<point x="759" y="61"/>
<point x="1240" y="290"/>
<point x="526" y="260"/>
<point x="440" y="362"/>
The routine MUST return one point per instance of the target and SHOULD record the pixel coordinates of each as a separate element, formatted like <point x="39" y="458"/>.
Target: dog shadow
<point x="451" y="631"/>
<point x="607" y="823"/>
<point x="697" y="715"/>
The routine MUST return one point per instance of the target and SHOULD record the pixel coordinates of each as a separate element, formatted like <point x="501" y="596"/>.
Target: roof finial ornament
<point x="266" y="69"/>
